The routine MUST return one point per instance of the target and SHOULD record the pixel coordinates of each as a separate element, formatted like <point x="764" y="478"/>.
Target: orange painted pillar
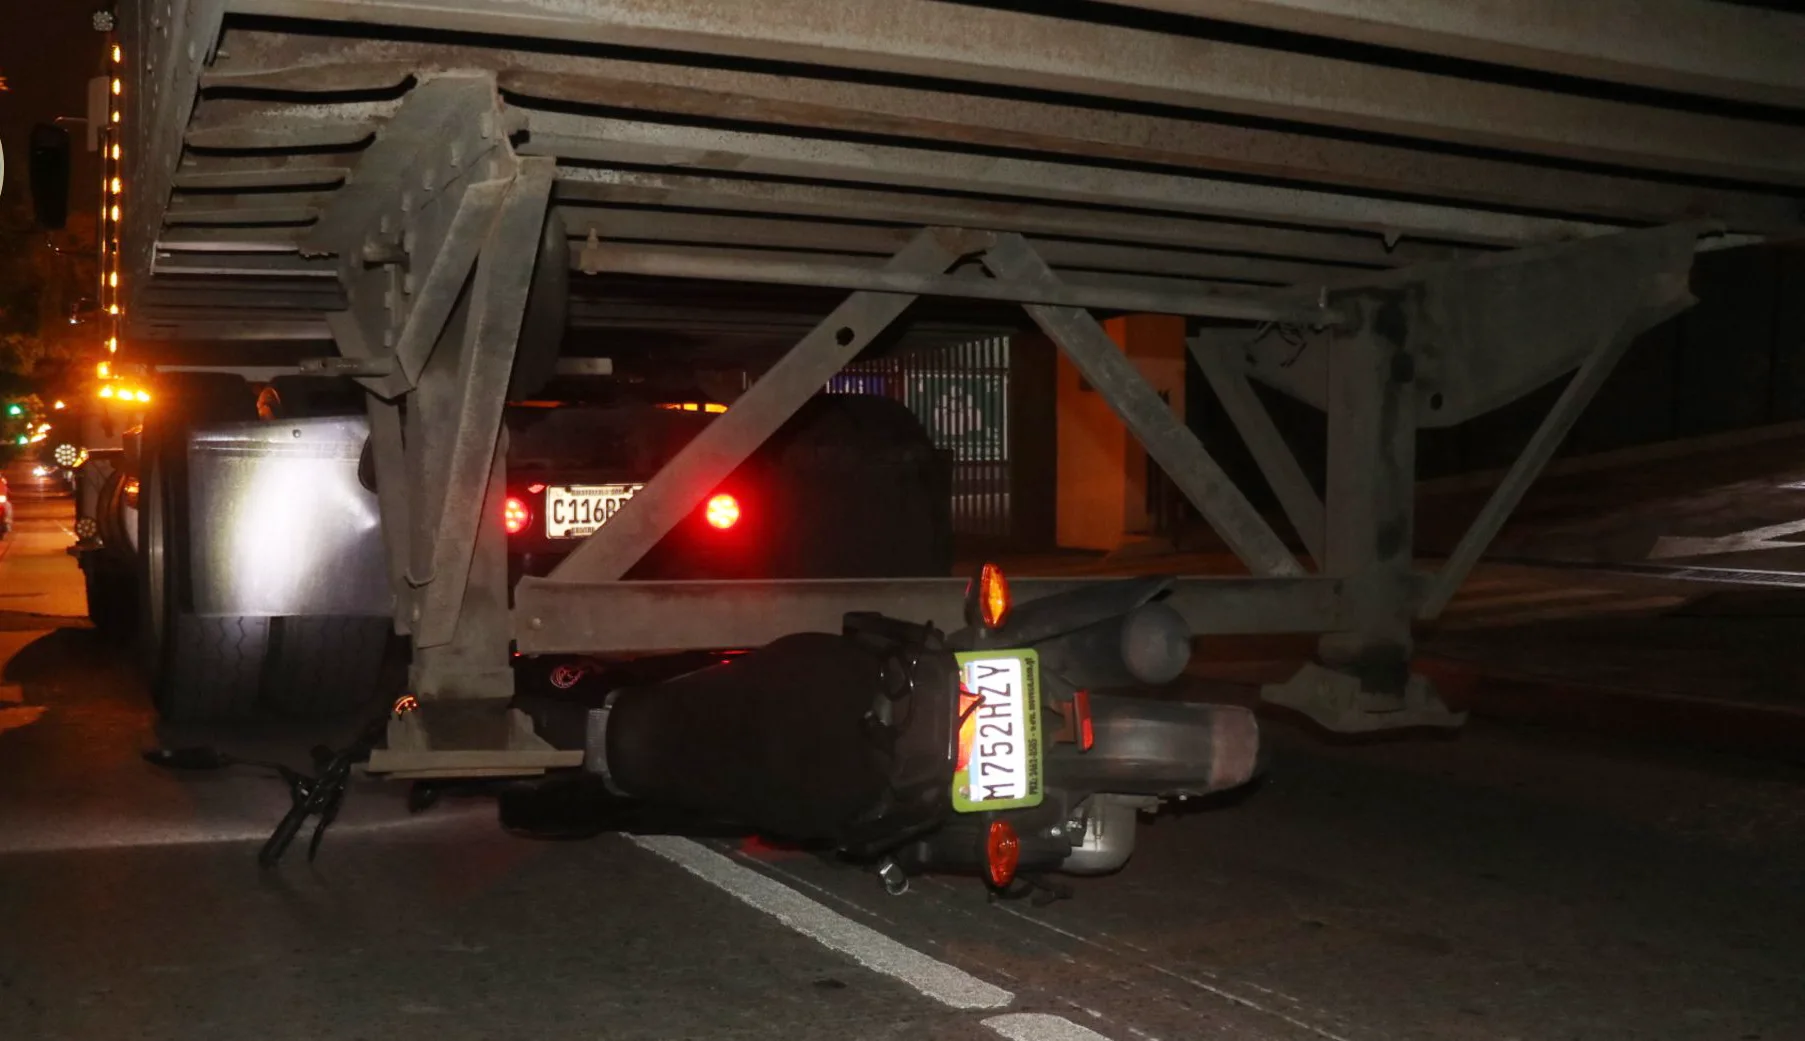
<point x="1102" y="483"/>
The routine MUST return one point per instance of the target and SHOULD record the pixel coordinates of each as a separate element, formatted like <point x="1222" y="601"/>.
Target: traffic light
<point x="15" y="409"/>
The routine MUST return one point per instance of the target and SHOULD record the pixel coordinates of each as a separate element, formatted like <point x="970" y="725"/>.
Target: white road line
<point x="948" y="985"/>
<point x="1212" y="988"/>
<point x="1040" y="1026"/>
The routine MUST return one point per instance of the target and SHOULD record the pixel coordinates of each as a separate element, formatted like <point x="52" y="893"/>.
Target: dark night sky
<point x="48" y="51"/>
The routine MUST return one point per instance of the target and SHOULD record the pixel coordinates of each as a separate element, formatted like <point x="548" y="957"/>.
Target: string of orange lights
<point x="112" y="203"/>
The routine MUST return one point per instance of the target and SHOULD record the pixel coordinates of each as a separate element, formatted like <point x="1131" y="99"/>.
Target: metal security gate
<point x="960" y="393"/>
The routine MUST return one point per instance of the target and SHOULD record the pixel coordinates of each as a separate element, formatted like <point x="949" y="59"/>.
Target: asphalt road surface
<point x="1510" y="883"/>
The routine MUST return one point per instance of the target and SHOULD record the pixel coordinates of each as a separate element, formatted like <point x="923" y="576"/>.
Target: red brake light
<point x="1002" y="853"/>
<point x="1081" y="710"/>
<point x="723" y="511"/>
<point x="515" y="516"/>
<point x="993" y="596"/>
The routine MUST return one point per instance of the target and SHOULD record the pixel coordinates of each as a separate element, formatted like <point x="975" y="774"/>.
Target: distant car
<point x="6" y="509"/>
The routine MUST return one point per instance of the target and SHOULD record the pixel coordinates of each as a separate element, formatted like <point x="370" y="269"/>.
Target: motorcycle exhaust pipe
<point x="1148" y="646"/>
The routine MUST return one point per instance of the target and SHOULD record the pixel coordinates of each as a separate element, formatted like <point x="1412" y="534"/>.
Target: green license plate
<point x="999" y="764"/>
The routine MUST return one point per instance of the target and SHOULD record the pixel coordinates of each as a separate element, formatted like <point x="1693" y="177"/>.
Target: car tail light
<point x="993" y="596"/>
<point x="723" y="511"/>
<point x="1002" y="853"/>
<point x="515" y="516"/>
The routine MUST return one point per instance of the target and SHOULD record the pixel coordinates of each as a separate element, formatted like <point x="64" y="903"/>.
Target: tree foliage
<point x="48" y="290"/>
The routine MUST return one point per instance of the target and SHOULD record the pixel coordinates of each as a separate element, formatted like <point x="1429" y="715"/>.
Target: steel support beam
<point x="1009" y="48"/>
<point x="1720" y="50"/>
<point x="1166" y="439"/>
<point x="724" y="444"/>
<point x="299" y="177"/>
<point x="406" y="228"/>
<point x="394" y="498"/>
<point x="982" y="120"/>
<point x="459" y="409"/>
<point x="465" y="653"/>
<point x="1089" y="133"/>
<point x="775" y="269"/>
<point x="1362" y="679"/>
<point x="239" y="268"/>
<point x="403" y="167"/>
<point x="438" y="291"/>
<point x="1226" y="375"/>
<point x="631" y="142"/>
<point x="676" y="229"/>
<point x="596" y="618"/>
<point x="904" y="208"/>
<point x="1461" y="339"/>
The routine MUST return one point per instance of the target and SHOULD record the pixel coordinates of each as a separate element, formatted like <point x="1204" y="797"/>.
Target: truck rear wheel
<point x="199" y="668"/>
<point x="107" y="576"/>
<point x="221" y="668"/>
<point x="112" y="598"/>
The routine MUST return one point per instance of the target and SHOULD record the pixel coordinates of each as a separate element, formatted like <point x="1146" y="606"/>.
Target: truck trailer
<point x="351" y="248"/>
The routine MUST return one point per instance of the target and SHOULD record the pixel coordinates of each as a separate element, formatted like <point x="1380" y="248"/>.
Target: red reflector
<point x="1081" y="710"/>
<point x="723" y="511"/>
<point x="993" y="596"/>
<point x="1002" y="852"/>
<point x="515" y="516"/>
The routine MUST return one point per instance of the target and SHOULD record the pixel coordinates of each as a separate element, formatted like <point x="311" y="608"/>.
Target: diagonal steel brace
<point x="1228" y="378"/>
<point x="1166" y="439"/>
<point x="1672" y="300"/>
<point x="723" y="445"/>
<point x="458" y="473"/>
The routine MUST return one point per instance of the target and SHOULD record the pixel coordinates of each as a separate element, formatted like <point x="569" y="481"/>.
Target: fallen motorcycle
<point x="1001" y="750"/>
<point x="985" y="751"/>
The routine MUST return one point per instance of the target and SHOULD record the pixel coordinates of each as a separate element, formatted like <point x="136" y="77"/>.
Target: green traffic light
<point x="15" y="409"/>
<point x="23" y="439"/>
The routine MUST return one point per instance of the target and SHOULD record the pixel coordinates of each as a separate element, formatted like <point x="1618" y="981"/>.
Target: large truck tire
<point x="112" y="599"/>
<point x="198" y="668"/>
<point x="327" y="666"/>
<point x="107" y="576"/>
